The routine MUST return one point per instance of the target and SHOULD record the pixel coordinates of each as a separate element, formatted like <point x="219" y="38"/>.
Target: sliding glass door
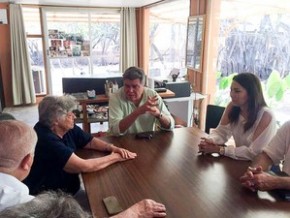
<point x="80" y="43"/>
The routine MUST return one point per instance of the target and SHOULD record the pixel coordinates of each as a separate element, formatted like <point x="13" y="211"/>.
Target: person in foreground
<point x="56" y="166"/>
<point x="60" y="205"/>
<point x="277" y="151"/>
<point x="17" y="143"/>
<point x="246" y="118"/>
<point x="135" y="108"/>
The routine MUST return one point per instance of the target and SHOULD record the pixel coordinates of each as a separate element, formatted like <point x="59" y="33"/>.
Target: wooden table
<point x="168" y="169"/>
<point x="84" y="101"/>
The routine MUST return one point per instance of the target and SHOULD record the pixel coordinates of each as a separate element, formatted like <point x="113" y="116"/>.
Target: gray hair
<point x="16" y="141"/>
<point x="53" y="108"/>
<point x="47" y="205"/>
<point x="133" y="73"/>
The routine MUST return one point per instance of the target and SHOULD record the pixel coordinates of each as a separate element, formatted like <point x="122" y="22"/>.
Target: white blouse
<point x="245" y="147"/>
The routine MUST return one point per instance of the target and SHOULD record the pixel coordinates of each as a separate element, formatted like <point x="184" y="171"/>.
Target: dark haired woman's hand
<point x="206" y="146"/>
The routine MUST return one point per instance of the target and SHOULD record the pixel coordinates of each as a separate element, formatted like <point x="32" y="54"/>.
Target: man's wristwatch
<point x="222" y="150"/>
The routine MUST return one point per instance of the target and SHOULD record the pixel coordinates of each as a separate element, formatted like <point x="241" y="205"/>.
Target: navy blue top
<point x="51" y="155"/>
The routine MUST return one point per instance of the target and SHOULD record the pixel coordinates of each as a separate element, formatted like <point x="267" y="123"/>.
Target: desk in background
<point x="169" y="170"/>
<point x="82" y="84"/>
<point x="86" y="120"/>
<point x="183" y="107"/>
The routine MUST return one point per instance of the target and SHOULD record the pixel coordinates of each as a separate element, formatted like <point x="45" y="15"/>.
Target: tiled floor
<point x="27" y="114"/>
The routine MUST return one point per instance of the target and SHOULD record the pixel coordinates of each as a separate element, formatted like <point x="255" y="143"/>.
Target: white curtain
<point x="22" y="81"/>
<point x="129" y="56"/>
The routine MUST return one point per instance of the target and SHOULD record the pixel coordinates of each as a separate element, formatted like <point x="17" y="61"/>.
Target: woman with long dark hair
<point x="246" y="118"/>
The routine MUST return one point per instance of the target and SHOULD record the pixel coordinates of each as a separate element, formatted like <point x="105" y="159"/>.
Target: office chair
<point x="6" y="116"/>
<point x="213" y="116"/>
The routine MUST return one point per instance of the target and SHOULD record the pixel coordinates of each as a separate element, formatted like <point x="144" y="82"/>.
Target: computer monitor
<point x="82" y="84"/>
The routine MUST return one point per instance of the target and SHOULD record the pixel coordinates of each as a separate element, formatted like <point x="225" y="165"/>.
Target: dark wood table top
<point x="169" y="170"/>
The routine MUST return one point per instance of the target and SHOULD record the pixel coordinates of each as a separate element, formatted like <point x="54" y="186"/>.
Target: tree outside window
<point x="168" y="24"/>
<point x="256" y="38"/>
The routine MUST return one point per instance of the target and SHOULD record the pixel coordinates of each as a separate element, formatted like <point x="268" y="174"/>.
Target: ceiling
<point x="91" y="3"/>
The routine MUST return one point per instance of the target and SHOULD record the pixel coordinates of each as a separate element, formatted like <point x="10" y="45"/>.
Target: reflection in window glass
<point x="89" y="39"/>
<point x="37" y="64"/>
<point x="168" y="23"/>
<point x="68" y="41"/>
<point x="82" y="66"/>
<point x="68" y="33"/>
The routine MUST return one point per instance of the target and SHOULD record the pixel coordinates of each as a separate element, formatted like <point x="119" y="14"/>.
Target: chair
<point x="6" y="116"/>
<point x="213" y="116"/>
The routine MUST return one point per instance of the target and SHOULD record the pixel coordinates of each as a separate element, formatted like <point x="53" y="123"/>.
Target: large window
<point x="255" y="37"/>
<point x="168" y="23"/>
<point x="82" y="43"/>
<point x="77" y="42"/>
<point x="35" y="48"/>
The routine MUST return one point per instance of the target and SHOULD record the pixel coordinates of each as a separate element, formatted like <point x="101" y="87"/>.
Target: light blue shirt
<point x="120" y="107"/>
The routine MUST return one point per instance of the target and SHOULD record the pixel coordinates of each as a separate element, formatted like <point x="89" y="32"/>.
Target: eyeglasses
<point x="70" y="114"/>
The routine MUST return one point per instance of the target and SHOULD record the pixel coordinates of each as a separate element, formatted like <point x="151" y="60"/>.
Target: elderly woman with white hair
<point x="17" y="143"/>
<point x="56" y="166"/>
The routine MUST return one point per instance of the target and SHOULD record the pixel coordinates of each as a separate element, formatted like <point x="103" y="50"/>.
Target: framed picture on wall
<point x="194" y="42"/>
<point x="3" y="16"/>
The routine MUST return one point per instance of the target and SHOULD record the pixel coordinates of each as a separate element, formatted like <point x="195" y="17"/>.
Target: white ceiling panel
<point x="91" y="3"/>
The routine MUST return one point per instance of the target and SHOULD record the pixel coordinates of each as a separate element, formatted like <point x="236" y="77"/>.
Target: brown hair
<point x="256" y="101"/>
